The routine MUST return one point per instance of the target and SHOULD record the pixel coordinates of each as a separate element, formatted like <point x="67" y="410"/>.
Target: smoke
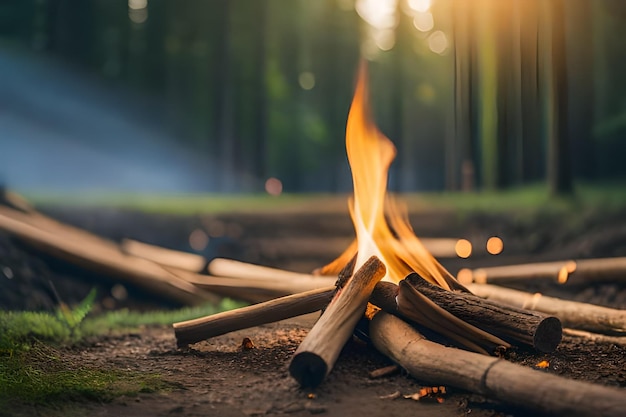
<point x="61" y="130"/>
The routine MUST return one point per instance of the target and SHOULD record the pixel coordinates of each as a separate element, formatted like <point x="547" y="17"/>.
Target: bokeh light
<point x="465" y="276"/>
<point x="137" y="4"/>
<point x="420" y="5"/>
<point x="463" y="248"/>
<point x="424" y="22"/>
<point x="495" y="245"/>
<point x="380" y="14"/>
<point x="274" y="186"/>
<point x="198" y="240"/>
<point x="306" y="80"/>
<point x="438" y="42"/>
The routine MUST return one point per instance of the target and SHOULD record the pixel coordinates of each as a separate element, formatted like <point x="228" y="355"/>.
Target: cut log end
<point x="308" y="369"/>
<point x="548" y="335"/>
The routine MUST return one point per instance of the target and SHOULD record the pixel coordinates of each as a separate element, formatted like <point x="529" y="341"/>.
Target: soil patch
<point x="219" y="377"/>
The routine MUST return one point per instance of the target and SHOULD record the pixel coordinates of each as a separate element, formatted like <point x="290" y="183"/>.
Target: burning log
<point x="318" y="352"/>
<point x="192" y="331"/>
<point x="583" y="271"/>
<point x="492" y="377"/>
<point x="466" y="319"/>
<point x="572" y="314"/>
<point x="534" y="329"/>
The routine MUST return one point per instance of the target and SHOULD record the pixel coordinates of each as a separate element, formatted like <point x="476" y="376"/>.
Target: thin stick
<point x="192" y="331"/>
<point x="595" y="337"/>
<point x="318" y="352"/>
<point x="571" y="313"/>
<point x="572" y="272"/>
<point x="168" y="257"/>
<point x="492" y="377"/>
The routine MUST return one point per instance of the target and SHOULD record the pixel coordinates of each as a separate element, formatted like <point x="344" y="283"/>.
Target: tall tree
<point x="559" y="165"/>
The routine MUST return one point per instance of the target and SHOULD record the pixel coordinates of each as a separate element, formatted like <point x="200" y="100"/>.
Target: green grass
<point x="32" y="370"/>
<point x="527" y="198"/>
<point x="187" y="204"/>
<point x="42" y="376"/>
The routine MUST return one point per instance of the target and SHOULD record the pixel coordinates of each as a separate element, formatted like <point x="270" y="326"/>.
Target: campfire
<point x="386" y="282"/>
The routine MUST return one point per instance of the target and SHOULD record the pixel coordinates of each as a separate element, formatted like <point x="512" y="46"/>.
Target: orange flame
<point x="381" y="223"/>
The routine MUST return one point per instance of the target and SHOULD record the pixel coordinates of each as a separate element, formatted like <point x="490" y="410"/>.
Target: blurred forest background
<point x="221" y="95"/>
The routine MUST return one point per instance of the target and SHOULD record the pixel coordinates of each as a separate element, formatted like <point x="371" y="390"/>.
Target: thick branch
<point x="514" y="324"/>
<point x="492" y="377"/>
<point x="316" y="355"/>
<point x="572" y="314"/>
<point x="97" y="254"/>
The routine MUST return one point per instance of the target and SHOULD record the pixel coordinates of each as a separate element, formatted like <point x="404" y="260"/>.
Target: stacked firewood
<point x="480" y="318"/>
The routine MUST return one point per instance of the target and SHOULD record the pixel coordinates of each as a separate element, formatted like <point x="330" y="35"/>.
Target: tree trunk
<point x="559" y="169"/>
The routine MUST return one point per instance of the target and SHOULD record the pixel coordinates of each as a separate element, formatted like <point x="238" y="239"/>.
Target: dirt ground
<point x="218" y="377"/>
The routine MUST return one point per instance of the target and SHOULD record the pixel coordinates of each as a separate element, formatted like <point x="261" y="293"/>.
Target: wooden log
<point x="492" y="377"/>
<point x="192" y="331"/>
<point x="15" y="201"/>
<point x="100" y="255"/>
<point x="571" y="313"/>
<point x="318" y="352"/>
<point x="254" y="289"/>
<point x="595" y="337"/>
<point x="168" y="257"/>
<point x="538" y="330"/>
<point x="572" y="272"/>
<point x="237" y="269"/>
<point x="420" y="309"/>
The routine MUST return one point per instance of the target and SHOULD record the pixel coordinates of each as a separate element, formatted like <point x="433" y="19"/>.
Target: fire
<point x="381" y="222"/>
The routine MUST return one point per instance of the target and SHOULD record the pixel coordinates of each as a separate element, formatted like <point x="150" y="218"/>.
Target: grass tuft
<point x="33" y="369"/>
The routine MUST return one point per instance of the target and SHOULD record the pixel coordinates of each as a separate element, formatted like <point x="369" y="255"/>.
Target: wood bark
<point x="318" y="352"/>
<point x="572" y="314"/>
<point x="492" y="377"/>
<point x="541" y="331"/>
<point x="192" y="331"/>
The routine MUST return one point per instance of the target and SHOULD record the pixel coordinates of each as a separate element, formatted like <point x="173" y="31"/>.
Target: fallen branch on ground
<point x="254" y="289"/>
<point x="595" y="337"/>
<point x="100" y="255"/>
<point x="578" y="272"/>
<point x="168" y="257"/>
<point x="572" y="314"/>
<point x="192" y="331"/>
<point x="237" y="269"/>
<point x="318" y="352"/>
<point x="492" y="377"/>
